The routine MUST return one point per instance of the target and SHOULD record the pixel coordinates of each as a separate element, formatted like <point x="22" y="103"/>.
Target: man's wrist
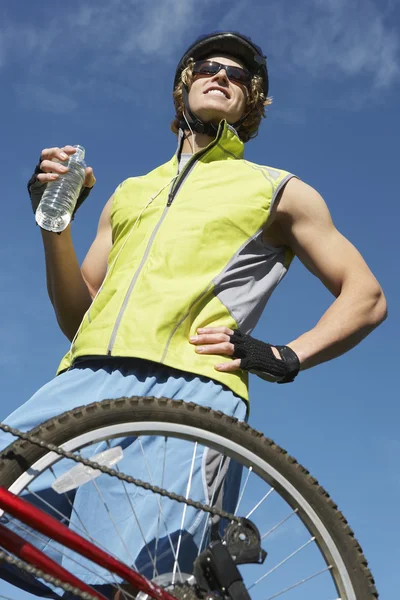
<point x="299" y="351"/>
<point x="260" y="358"/>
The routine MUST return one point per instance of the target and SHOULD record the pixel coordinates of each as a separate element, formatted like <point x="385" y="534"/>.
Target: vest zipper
<point x="189" y="167"/>
<point x="172" y="194"/>
<point x="133" y="282"/>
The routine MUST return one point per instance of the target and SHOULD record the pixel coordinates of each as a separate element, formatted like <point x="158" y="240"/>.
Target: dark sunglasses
<point x="210" y="67"/>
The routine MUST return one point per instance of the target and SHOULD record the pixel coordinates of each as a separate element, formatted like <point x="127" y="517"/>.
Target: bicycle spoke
<point x="114" y="523"/>
<point x="159" y="505"/>
<point x="281" y="563"/>
<point x="158" y="516"/>
<point x="243" y="490"/>
<point x="299" y="583"/>
<point x="64" y="517"/>
<point x="275" y="527"/>
<point x="210" y="503"/>
<point x="184" y="512"/>
<point x="22" y="528"/>
<point x="260" y="503"/>
<point x="152" y="559"/>
<point x="73" y="510"/>
<point x="82" y="530"/>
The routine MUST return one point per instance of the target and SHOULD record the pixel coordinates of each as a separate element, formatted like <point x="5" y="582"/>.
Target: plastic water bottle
<point x="59" y="198"/>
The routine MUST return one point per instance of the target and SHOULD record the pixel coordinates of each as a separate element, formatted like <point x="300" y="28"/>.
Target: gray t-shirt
<point x="183" y="160"/>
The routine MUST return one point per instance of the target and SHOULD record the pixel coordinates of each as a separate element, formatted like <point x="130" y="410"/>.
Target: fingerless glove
<point x="36" y="190"/>
<point x="258" y="357"/>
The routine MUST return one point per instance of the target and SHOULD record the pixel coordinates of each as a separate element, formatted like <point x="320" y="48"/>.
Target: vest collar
<point x="227" y="143"/>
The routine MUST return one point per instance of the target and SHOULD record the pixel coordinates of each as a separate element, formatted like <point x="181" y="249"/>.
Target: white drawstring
<point x="191" y="130"/>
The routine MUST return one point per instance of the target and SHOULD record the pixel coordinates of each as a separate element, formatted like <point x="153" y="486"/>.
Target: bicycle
<point x="306" y="550"/>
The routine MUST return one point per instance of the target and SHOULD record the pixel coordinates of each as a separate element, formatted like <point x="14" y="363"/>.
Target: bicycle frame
<point x="49" y="526"/>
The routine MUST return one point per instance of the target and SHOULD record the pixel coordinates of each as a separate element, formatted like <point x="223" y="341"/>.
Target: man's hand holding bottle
<point x="49" y="168"/>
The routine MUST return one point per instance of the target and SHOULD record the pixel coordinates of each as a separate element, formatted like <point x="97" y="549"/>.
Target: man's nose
<point x="221" y="76"/>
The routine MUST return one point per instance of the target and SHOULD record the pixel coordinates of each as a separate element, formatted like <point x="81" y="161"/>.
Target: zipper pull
<point x="170" y="198"/>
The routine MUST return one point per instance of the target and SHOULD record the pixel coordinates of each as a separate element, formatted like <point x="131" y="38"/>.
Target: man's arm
<point x="71" y="289"/>
<point x="302" y="221"/>
<point x="306" y="226"/>
<point x="94" y="267"/>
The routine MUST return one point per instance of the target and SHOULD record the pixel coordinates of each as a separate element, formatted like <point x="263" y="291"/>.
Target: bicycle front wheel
<point x="312" y="552"/>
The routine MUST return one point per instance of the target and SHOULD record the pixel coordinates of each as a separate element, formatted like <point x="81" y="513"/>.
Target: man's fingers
<point x="46" y="177"/>
<point x="49" y="166"/>
<point x="209" y="338"/>
<point x="215" y="340"/>
<point x="58" y="153"/>
<point x="225" y="348"/>
<point x="207" y="330"/>
<point x="90" y="179"/>
<point x="234" y="365"/>
<point x="51" y="159"/>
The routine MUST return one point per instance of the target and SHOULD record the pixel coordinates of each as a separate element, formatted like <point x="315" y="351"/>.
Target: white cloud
<point x="19" y="41"/>
<point x="352" y="39"/>
<point x="328" y="39"/>
<point x="99" y="43"/>
<point x="352" y="42"/>
<point x="162" y="27"/>
<point x="116" y="31"/>
<point x="39" y="95"/>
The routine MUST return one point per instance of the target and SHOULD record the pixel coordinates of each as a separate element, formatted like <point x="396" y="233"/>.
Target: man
<point x="186" y="257"/>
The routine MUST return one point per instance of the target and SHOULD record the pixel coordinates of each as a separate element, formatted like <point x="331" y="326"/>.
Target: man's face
<point x="215" y="97"/>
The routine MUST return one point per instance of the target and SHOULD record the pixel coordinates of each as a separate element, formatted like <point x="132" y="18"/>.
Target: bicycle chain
<point x="67" y="587"/>
<point x="127" y="478"/>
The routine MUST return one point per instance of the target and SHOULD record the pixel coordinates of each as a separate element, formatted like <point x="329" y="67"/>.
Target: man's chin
<point x="214" y="117"/>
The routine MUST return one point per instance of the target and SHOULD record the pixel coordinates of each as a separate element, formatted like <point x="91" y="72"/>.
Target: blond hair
<point x="256" y="104"/>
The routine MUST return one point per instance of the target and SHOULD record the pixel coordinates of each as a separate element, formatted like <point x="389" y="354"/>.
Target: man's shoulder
<point x="300" y="201"/>
<point x="275" y="174"/>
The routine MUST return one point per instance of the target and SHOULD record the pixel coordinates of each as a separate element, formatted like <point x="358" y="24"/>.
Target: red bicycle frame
<point x="49" y="526"/>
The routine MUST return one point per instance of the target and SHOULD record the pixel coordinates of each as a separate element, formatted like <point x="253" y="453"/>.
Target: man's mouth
<point x="217" y="92"/>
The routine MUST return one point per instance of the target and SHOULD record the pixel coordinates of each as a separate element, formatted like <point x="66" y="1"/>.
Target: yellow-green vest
<point x="187" y="252"/>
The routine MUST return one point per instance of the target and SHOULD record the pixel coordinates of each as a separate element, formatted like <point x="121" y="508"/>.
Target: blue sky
<point x="99" y="74"/>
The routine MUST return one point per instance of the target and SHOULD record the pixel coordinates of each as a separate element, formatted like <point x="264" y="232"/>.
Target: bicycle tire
<point x="22" y="455"/>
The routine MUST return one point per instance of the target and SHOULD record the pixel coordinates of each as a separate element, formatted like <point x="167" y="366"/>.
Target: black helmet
<point x="227" y="42"/>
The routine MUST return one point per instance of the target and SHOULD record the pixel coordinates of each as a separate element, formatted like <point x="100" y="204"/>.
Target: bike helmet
<point x="222" y="42"/>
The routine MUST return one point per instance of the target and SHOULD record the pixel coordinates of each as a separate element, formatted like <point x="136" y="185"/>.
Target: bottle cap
<point x="79" y="155"/>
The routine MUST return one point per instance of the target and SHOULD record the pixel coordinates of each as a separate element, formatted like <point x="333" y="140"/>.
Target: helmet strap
<point x="194" y="122"/>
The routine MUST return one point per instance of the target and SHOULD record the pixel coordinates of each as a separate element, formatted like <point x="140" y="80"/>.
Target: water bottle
<point x="59" y="198"/>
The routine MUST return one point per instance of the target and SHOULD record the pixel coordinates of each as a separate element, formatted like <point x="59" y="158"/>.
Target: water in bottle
<point x="59" y="198"/>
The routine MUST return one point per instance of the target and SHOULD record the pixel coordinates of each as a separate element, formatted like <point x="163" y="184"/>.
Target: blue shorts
<point x="93" y="381"/>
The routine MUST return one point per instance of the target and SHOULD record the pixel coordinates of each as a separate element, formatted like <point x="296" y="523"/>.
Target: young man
<point x="186" y="257"/>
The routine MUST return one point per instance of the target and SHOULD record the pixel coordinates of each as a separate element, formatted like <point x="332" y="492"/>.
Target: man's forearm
<point x="351" y="317"/>
<point x="66" y="287"/>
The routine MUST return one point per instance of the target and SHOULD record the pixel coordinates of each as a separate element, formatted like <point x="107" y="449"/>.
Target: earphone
<point x="191" y="131"/>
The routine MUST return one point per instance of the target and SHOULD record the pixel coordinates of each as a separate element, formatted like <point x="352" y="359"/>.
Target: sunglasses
<point x="210" y="67"/>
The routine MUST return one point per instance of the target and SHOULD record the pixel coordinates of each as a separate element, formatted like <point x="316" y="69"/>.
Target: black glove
<point x="36" y="189"/>
<point x="257" y="357"/>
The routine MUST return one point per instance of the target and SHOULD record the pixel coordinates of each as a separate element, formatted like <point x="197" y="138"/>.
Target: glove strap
<point x="258" y="357"/>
